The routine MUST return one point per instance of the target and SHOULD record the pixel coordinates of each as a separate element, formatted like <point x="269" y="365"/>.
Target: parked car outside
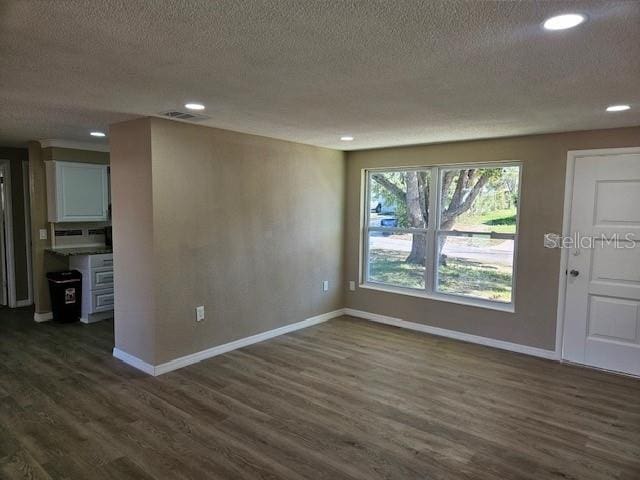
<point x="381" y="206"/>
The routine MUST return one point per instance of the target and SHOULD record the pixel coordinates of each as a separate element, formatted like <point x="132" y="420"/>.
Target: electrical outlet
<point x="352" y="286"/>
<point x="43" y="234"/>
<point x="200" y="313"/>
<point x="325" y="286"/>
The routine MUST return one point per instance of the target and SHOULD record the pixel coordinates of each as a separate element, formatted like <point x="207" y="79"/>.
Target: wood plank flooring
<point x="346" y="399"/>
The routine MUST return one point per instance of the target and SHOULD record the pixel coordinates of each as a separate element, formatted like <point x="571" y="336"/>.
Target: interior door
<point x="602" y="308"/>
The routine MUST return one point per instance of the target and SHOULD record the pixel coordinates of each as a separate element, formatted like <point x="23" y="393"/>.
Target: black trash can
<point x="66" y="295"/>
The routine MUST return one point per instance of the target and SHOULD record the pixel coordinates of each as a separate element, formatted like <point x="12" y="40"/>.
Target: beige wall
<point x="41" y="261"/>
<point x="247" y="226"/>
<point x="16" y="156"/>
<point x="543" y="177"/>
<point x="133" y="239"/>
<point x="38" y="196"/>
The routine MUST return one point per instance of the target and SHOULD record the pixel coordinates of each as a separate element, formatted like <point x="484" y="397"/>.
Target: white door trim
<point x="8" y="230"/>
<point x="27" y="230"/>
<point x="572" y="157"/>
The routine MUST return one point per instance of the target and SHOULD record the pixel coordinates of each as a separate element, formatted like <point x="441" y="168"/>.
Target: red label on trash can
<point x="69" y="295"/>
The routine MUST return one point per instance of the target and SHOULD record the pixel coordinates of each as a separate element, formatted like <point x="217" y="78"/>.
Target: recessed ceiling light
<point x="194" y="106"/>
<point x="98" y="134"/>
<point x="346" y="138"/>
<point x="617" y="108"/>
<point x="562" y="22"/>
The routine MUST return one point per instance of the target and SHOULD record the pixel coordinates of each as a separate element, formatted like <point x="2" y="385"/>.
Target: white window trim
<point x="432" y="233"/>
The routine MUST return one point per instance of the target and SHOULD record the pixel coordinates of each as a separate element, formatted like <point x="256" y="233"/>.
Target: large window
<point x="443" y="231"/>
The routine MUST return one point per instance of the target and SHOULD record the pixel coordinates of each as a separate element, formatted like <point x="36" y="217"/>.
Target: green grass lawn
<point x="467" y="277"/>
<point x="500" y="221"/>
<point x="389" y="266"/>
<point x="458" y="276"/>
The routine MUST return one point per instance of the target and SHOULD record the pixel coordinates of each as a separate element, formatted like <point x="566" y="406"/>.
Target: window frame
<point x="433" y="233"/>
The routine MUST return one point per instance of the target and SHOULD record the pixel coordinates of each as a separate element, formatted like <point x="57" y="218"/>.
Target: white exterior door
<point x="602" y="307"/>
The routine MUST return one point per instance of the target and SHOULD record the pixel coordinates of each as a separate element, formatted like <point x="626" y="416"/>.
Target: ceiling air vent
<point x="190" y="117"/>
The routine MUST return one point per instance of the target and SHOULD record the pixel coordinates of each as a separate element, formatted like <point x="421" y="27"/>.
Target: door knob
<point x="574" y="273"/>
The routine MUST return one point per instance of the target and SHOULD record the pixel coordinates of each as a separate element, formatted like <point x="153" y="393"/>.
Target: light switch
<point x="352" y="286"/>
<point x="200" y="313"/>
<point x="43" y="234"/>
<point x="325" y="286"/>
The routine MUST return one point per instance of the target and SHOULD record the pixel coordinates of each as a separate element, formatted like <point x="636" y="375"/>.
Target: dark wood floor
<point x="345" y="399"/>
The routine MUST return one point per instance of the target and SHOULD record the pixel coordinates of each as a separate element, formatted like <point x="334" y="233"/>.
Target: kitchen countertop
<point x="71" y="251"/>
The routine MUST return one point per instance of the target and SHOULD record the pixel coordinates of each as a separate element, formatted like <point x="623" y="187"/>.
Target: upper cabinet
<point x="77" y="192"/>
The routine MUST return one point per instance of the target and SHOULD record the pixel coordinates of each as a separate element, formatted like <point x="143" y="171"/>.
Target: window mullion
<point x="470" y="234"/>
<point x="430" y="263"/>
<point x="365" y="230"/>
<point x="397" y="230"/>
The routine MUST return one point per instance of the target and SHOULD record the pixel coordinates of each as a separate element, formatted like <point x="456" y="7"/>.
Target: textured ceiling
<point x="387" y="72"/>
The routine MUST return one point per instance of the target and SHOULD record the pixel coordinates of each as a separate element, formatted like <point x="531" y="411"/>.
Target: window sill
<point x="470" y="302"/>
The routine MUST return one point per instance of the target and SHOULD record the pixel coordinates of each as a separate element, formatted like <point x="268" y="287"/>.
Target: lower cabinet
<point x="102" y="300"/>
<point x="97" y="285"/>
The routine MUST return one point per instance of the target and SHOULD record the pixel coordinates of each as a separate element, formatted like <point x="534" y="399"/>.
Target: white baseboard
<point x="23" y="303"/>
<point x="465" y="337"/>
<point x="43" y="317"/>
<point x="134" y="361"/>
<point x="96" y="317"/>
<point x="181" y="362"/>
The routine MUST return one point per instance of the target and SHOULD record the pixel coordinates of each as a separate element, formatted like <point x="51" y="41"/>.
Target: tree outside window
<point x="474" y="234"/>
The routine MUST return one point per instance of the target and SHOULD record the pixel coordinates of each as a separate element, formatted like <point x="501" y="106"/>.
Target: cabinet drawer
<point x="102" y="300"/>
<point x="101" y="278"/>
<point x="104" y="260"/>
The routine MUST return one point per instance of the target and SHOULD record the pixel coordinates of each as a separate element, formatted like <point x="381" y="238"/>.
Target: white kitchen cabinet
<point x="77" y="192"/>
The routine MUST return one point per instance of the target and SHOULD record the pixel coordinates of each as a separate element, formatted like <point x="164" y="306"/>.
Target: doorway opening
<point x="7" y="274"/>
